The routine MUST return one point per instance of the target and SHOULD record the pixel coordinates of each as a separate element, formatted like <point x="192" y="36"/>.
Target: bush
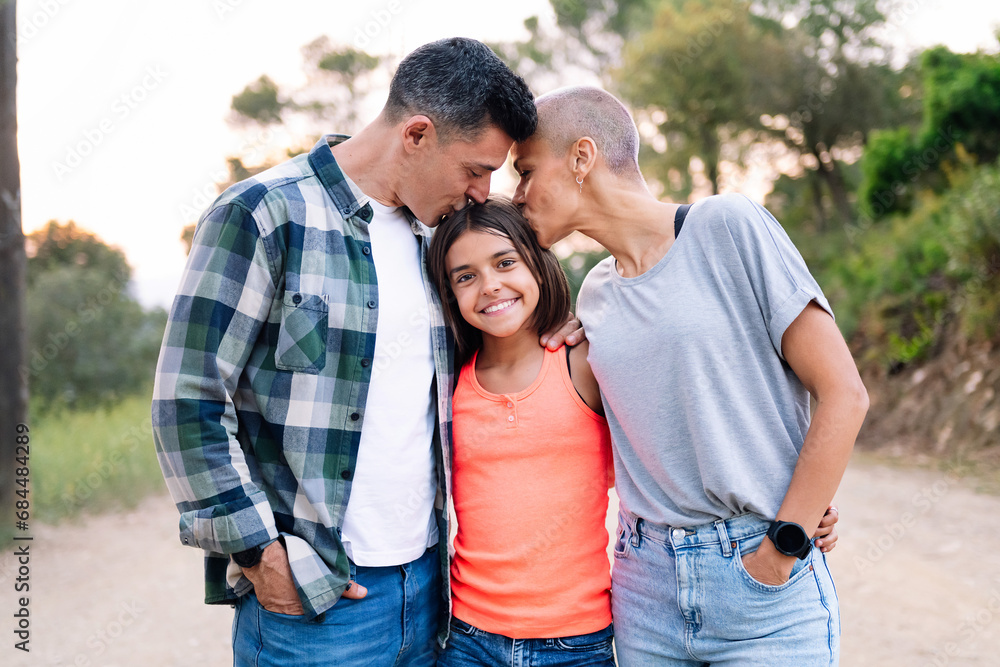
<point x="93" y="460"/>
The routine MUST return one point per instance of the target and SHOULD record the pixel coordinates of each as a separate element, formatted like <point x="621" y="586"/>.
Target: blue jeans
<point x="395" y="624"/>
<point x="681" y="596"/>
<point x="470" y="646"/>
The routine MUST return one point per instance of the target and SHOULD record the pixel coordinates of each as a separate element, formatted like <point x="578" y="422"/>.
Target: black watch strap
<point x="789" y="538"/>
<point x="250" y="557"/>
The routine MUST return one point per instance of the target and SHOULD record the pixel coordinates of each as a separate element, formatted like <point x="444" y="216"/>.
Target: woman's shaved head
<point x="568" y="114"/>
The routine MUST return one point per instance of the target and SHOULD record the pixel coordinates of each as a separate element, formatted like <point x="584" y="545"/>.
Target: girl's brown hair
<point x="499" y="216"/>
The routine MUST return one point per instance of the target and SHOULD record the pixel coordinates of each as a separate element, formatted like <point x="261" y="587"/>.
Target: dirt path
<point x="918" y="573"/>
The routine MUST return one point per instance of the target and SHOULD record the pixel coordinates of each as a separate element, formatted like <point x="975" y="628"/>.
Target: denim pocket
<point x="287" y="618"/>
<point x="800" y="569"/>
<point x="463" y="628"/>
<point x="595" y="641"/>
<point x="302" y="333"/>
<point x="622" y="540"/>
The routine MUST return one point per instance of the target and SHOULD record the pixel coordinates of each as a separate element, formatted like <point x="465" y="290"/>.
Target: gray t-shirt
<point x="706" y="418"/>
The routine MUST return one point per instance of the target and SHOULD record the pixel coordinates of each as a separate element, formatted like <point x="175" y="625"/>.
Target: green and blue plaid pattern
<point x="263" y="376"/>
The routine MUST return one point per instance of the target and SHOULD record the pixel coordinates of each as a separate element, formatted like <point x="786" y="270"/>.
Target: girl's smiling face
<point x="495" y="289"/>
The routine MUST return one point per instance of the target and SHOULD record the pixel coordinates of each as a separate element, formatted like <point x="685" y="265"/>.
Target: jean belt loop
<point x="727" y="547"/>
<point x="637" y="521"/>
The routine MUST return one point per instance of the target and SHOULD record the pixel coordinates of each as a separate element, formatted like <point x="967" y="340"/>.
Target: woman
<point x="707" y="336"/>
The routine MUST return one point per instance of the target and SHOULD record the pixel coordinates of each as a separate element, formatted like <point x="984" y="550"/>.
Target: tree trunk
<point x="834" y="180"/>
<point x="711" y="144"/>
<point x="13" y="266"/>
<point x="817" y="195"/>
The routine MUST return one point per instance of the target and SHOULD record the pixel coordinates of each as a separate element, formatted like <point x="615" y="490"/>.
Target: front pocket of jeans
<point x="621" y="541"/>
<point x="302" y="333"/>
<point x="800" y="571"/>
<point x="461" y="627"/>
<point x="278" y="616"/>
<point x="595" y="641"/>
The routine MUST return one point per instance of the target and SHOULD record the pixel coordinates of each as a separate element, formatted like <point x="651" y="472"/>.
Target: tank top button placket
<point x="511" y="406"/>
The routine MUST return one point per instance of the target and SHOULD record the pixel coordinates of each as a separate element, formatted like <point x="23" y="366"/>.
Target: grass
<point x="93" y="461"/>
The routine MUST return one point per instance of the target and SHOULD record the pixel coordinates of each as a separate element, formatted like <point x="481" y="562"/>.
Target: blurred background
<point x="870" y="128"/>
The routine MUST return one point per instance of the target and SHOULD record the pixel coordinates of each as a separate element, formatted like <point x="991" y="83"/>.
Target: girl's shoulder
<point x="583" y="377"/>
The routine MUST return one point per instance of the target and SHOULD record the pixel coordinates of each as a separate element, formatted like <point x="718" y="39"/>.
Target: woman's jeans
<point x="681" y="596"/>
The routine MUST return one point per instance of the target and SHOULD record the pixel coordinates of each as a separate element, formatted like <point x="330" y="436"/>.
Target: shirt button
<point x="678" y="533"/>
<point x="355" y="417"/>
<point x="346" y="474"/>
<point x="509" y="404"/>
<point x="510" y="418"/>
<point x="297" y="299"/>
<point x="366" y="250"/>
<point x="371" y="303"/>
<point x="365" y="363"/>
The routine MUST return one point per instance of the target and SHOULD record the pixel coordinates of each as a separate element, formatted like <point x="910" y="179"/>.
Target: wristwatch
<point x="250" y="557"/>
<point x="789" y="538"/>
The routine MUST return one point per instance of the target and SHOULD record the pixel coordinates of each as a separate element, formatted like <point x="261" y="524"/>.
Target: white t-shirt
<point x="390" y="513"/>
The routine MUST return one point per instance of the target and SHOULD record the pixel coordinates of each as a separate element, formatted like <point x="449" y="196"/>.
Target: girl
<point x="531" y="454"/>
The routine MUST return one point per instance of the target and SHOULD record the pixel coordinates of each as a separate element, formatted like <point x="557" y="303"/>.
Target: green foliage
<point x="89" y="341"/>
<point x="349" y="62"/>
<point x="259" y="101"/>
<point x="56" y="246"/>
<point x="961" y="107"/>
<point x="89" y="461"/>
<point x="577" y="266"/>
<point x="891" y="166"/>
<point x="962" y="101"/>
<point x="338" y="80"/>
<point x="974" y="252"/>
<point x="906" y="281"/>
<point x="699" y="66"/>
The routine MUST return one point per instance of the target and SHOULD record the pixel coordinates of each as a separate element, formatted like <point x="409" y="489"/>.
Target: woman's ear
<point x="584" y="156"/>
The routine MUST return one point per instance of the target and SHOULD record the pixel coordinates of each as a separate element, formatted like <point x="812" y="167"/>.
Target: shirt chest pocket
<point x="302" y="334"/>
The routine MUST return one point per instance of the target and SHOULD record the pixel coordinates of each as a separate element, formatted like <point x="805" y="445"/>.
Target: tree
<point x="721" y="77"/>
<point x="961" y="107"/>
<point x="91" y="342"/>
<point x="338" y="80"/>
<point x="13" y="379"/>
<point x="702" y="66"/>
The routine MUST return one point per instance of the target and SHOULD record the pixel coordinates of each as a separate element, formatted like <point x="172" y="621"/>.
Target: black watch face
<point x="247" y="558"/>
<point x="790" y="539"/>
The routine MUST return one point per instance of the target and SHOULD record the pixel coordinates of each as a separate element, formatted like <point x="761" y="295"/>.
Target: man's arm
<point x="815" y="350"/>
<point x="221" y="306"/>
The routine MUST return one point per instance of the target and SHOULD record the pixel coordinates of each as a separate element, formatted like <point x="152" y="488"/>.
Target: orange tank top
<point x="531" y="473"/>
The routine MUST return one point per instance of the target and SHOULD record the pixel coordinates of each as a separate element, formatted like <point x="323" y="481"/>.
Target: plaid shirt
<point x="264" y="372"/>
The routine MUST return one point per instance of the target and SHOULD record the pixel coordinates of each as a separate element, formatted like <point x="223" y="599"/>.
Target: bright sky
<point x="122" y="104"/>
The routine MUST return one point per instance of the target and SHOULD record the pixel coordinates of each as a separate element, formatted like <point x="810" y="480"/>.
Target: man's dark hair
<point x="462" y="86"/>
<point x="497" y="215"/>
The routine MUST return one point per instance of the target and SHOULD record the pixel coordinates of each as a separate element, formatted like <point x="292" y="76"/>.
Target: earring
<point x="580" y="181"/>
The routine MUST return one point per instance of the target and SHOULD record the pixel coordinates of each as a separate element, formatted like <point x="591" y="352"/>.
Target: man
<point x="302" y="404"/>
<point x="707" y="336"/>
